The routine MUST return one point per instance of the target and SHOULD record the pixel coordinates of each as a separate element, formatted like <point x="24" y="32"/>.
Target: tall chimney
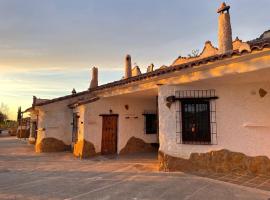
<point x="128" y="67"/>
<point x="94" y="81"/>
<point x="224" y="29"/>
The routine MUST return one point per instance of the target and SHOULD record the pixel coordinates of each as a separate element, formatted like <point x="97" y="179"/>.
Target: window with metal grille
<point x="196" y="121"/>
<point x="196" y="117"/>
<point x="150" y="123"/>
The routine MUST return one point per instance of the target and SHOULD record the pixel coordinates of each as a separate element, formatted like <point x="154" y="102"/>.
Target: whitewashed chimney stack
<point x="224" y="29"/>
<point x="128" y="70"/>
<point x="94" y="81"/>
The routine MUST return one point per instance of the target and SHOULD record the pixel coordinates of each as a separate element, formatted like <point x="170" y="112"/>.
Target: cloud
<point x="48" y="47"/>
<point x="19" y="85"/>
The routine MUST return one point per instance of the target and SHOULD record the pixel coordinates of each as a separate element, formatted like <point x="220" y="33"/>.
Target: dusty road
<point x="27" y="175"/>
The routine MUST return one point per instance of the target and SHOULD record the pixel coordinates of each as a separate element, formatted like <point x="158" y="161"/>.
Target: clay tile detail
<point x="240" y="45"/>
<point x="136" y="71"/>
<point x="208" y="50"/>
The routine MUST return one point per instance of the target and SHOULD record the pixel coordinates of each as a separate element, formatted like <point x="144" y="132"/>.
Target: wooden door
<point x="109" y="134"/>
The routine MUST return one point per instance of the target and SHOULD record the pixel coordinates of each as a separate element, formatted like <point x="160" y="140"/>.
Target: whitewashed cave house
<point x="209" y="111"/>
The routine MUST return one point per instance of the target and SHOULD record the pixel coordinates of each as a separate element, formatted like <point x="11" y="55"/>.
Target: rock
<point x="52" y="145"/>
<point x="170" y="163"/>
<point x="259" y="165"/>
<point x="136" y="145"/>
<point x="84" y="149"/>
<point x="223" y="161"/>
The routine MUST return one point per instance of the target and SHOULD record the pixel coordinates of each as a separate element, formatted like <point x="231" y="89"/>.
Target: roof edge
<point x="257" y="44"/>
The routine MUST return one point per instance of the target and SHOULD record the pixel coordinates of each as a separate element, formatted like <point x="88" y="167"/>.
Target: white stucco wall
<point x="91" y="129"/>
<point x="243" y="119"/>
<point x="55" y="120"/>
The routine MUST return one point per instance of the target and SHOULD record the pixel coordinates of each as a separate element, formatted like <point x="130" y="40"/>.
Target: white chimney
<point x="224" y="29"/>
<point x="128" y="70"/>
<point x="94" y="81"/>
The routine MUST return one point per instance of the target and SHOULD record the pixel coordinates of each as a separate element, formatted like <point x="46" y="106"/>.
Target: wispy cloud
<point x="18" y="85"/>
<point x="48" y="47"/>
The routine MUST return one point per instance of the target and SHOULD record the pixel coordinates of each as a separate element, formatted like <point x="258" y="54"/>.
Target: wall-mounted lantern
<point x="126" y="107"/>
<point x="170" y="100"/>
<point x="262" y="92"/>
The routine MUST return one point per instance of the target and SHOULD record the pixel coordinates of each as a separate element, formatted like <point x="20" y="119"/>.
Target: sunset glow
<point x="48" y="47"/>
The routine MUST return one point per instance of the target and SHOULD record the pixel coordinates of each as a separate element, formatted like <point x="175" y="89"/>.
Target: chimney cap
<point x="223" y="7"/>
<point x="128" y="56"/>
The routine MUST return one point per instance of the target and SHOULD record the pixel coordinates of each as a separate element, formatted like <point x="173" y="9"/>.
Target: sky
<point x="47" y="48"/>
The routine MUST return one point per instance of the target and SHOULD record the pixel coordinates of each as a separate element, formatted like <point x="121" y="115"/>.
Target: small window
<point x="150" y="123"/>
<point x="196" y="122"/>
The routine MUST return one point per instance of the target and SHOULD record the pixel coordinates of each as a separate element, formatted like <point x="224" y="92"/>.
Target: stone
<point x="137" y="145"/>
<point x="170" y="164"/>
<point x="221" y="161"/>
<point x="51" y="145"/>
<point x="259" y="165"/>
<point x="84" y="149"/>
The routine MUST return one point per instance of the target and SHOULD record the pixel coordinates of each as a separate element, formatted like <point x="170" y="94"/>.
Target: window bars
<point x="186" y="96"/>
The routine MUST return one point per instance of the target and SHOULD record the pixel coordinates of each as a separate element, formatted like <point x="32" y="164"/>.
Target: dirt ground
<point x="27" y="175"/>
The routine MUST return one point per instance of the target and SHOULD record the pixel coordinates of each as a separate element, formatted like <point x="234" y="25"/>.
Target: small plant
<point x="194" y="53"/>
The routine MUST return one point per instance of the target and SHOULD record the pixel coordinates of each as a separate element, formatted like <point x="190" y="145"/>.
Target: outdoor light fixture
<point x="170" y="100"/>
<point x="126" y="107"/>
<point x="262" y="92"/>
